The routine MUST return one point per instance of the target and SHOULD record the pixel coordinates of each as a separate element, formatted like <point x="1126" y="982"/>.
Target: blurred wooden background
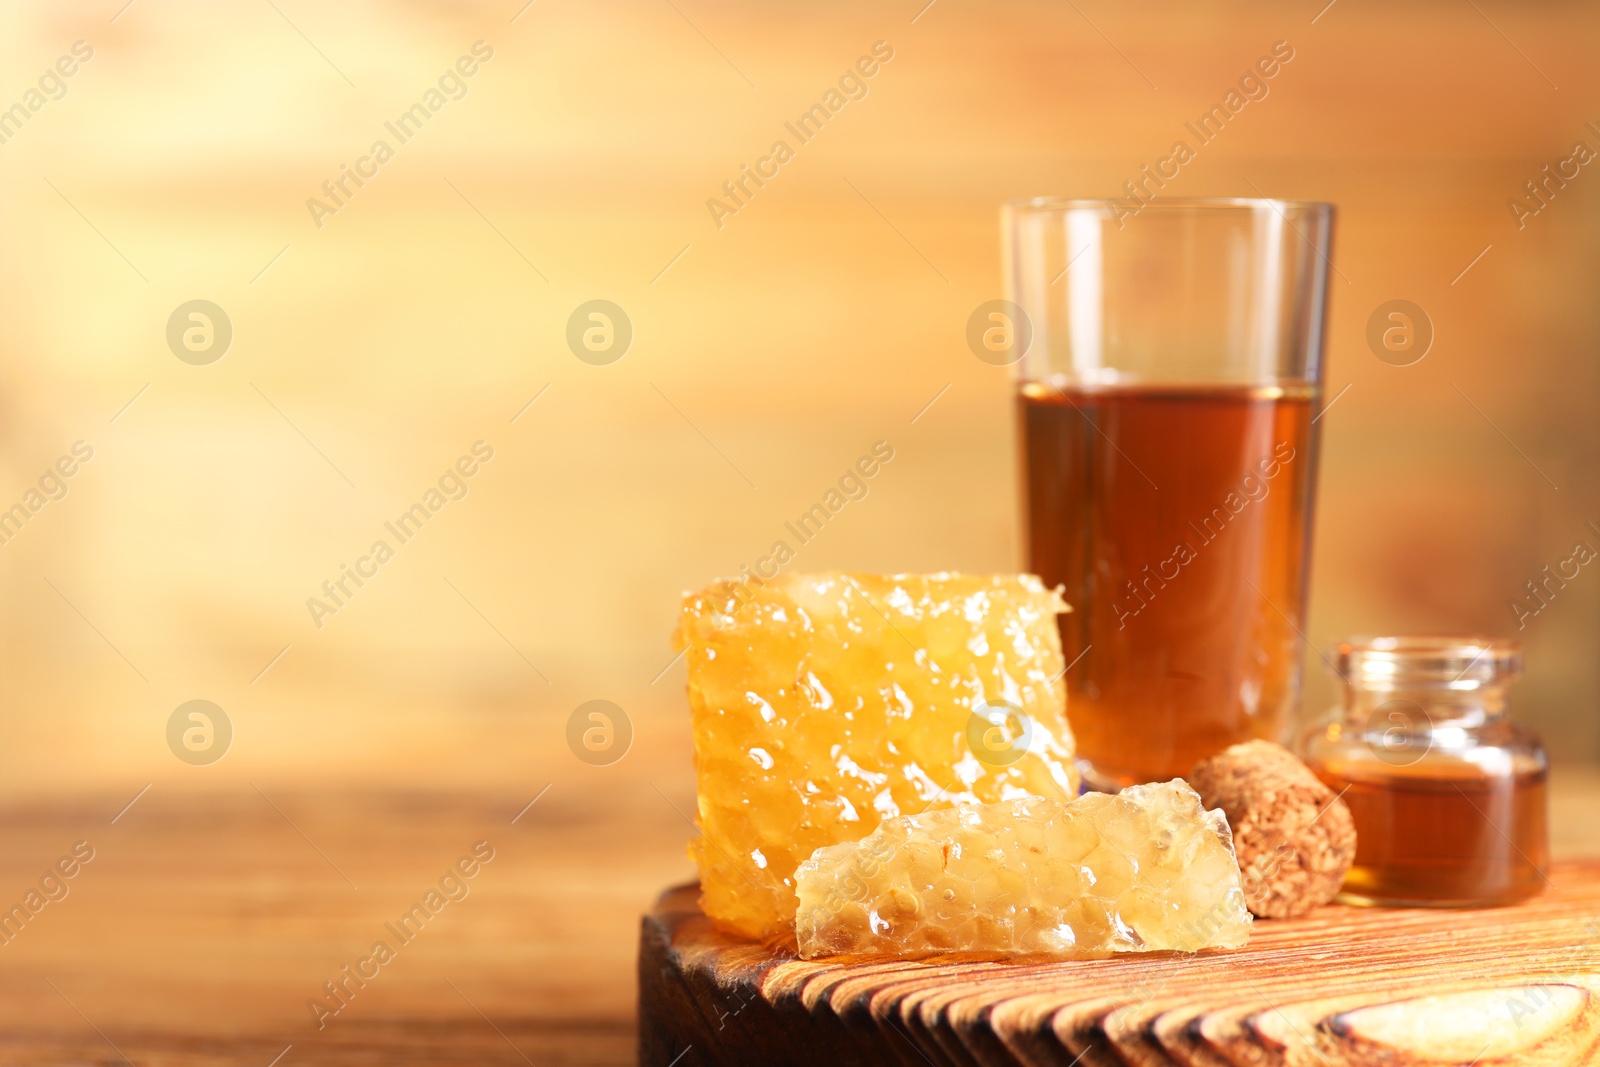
<point x="768" y="354"/>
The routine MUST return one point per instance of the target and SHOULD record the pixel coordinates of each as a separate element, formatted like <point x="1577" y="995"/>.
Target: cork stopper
<point x="1294" y="837"/>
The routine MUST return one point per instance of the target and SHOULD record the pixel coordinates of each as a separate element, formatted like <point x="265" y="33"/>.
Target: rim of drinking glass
<point x="1186" y="203"/>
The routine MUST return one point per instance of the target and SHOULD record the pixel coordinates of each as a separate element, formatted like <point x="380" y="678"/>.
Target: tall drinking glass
<point x="1168" y="390"/>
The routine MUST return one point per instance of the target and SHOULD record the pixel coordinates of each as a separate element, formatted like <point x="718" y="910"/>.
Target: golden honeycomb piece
<point x="1143" y="870"/>
<point x="825" y="703"/>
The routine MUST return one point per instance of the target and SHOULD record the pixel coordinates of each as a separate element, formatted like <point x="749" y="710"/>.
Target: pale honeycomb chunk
<point x="825" y="703"/>
<point x="1144" y="870"/>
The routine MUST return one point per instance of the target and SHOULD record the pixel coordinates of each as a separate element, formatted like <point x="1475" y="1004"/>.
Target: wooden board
<point x="1344" y="986"/>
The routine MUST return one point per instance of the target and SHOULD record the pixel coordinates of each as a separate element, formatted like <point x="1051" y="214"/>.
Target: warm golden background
<point x="826" y="315"/>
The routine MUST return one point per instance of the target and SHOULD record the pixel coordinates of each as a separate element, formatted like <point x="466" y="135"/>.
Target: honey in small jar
<point x="1447" y="794"/>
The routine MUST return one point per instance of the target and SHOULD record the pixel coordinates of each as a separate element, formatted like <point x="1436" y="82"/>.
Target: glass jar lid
<point x="1425" y="662"/>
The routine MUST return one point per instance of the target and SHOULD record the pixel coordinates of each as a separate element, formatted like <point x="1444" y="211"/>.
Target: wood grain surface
<point x="1360" y="987"/>
<point x="207" y="920"/>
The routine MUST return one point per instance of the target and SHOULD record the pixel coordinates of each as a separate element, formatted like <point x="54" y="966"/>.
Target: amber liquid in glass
<point x="1178" y="520"/>
<point x="1443" y="833"/>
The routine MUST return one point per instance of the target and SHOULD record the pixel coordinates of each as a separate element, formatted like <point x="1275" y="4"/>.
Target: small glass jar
<point x="1447" y="794"/>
